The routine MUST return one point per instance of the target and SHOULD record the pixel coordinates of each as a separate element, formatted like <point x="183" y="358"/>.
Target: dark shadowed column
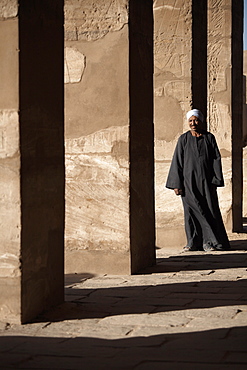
<point x="237" y="114"/>
<point x="42" y="154"/>
<point x="199" y="55"/>
<point x="142" y="216"/>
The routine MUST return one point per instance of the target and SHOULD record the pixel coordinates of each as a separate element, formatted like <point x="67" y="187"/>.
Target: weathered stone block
<point x="9" y="63"/>
<point x="74" y="65"/>
<point x="9" y="133"/>
<point x="8" y="8"/>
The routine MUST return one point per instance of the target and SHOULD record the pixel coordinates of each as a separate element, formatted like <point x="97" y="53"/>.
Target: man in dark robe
<point x="195" y="174"/>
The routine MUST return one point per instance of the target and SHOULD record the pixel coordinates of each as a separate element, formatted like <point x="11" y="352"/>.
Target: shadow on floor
<point x="211" y="349"/>
<point x="101" y="302"/>
<point x="99" y="298"/>
<point x="239" y="244"/>
<point x="194" y="261"/>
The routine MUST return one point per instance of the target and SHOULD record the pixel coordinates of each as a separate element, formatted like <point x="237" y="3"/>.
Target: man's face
<point x="194" y="123"/>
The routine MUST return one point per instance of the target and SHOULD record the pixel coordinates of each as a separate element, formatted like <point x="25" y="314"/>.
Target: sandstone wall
<point x="220" y="94"/>
<point x="172" y="99"/>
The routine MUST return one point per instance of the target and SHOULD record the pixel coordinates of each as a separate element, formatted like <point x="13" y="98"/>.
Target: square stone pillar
<point x="237" y="114"/>
<point x="225" y="94"/>
<point x="199" y="56"/>
<point x="32" y="158"/>
<point x="142" y="219"/>
<point x="109" y="136"/>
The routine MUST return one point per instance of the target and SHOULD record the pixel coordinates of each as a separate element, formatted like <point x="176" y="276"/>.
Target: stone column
<point x="32" y="158"/>
<point x="199" y="56"/>
<point x="142" y="220"/>
<point x="109" y="136"/>
<point x="225" y="58"/>
<point x="237" y="114"/>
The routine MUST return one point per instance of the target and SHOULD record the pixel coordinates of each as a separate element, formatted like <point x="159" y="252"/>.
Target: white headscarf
<point x="195" y="112"/>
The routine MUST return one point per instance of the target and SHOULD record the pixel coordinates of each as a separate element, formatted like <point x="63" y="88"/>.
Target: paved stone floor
<point x="187" y="312"/>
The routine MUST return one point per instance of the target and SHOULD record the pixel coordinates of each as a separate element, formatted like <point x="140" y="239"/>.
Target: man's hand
<point x="178" y="191"/>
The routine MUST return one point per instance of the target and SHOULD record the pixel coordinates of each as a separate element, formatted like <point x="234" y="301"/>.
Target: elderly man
<point x="195" y="174"/>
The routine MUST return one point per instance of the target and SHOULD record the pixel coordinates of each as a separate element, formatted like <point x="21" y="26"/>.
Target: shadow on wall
<point x="196" y="350"/>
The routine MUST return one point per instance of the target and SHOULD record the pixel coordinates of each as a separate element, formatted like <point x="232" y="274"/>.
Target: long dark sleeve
<point x="218" y="179"/>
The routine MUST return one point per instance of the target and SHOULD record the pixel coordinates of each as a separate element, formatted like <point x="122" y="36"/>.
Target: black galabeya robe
<point x="196" y="169"/>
